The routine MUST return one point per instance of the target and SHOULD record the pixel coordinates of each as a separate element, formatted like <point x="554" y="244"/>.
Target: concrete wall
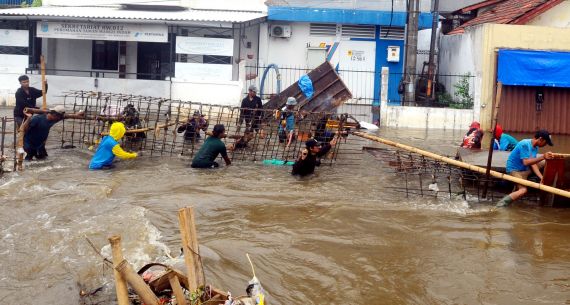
<point x="226" y="93"/>
<point x="72" y="54"/>
<point x="459" y="55"/>
<point x="496" y="36"/>
<point x="558" y="16"/>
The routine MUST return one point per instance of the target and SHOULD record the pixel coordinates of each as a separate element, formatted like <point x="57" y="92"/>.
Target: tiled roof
<point x="509" y="12"/>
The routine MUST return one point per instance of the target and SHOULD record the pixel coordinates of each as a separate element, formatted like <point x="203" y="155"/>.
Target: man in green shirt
<point x="206" y="156"/>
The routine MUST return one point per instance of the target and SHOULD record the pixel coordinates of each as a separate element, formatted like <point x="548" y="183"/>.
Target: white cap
<point x="252" y="88"/>
<point x="291" y="101"/>
<point x="59" y="109"/>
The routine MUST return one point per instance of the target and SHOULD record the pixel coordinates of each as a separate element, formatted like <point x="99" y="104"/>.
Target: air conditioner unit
<point x="281" y="31"/>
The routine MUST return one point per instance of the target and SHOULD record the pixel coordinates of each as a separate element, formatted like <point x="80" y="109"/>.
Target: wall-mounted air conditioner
<point x="280" y="30"/>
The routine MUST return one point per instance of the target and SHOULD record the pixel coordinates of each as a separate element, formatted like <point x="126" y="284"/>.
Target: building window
<point x="216" y="59"/>
<point x="105" y="55"/>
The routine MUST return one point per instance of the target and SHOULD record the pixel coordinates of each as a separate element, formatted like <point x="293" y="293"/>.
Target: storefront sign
<point x="103" y="31"/>
<point x="14" y="38"/>
<point x="204" y="46"/>
<point x="204" y="72"/>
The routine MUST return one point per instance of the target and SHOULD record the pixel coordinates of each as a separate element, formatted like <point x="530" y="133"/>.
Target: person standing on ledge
<point x="212" y="146"/>
<point x="25" y="98"/>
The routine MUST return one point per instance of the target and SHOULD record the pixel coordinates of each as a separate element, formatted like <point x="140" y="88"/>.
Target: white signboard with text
<point x="210" y="72"/>
<point x="204" y="46"/>
<point x="103" y="31"/>
<point x="14" y="38"/>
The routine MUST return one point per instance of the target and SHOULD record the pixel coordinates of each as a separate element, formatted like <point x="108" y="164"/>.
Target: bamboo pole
<point x="468" y="166"/>
<point x="177" y="289"/>
<point x="43" y="71"/>
<point x="144" y="129"/>
<point x="498" y="94"/>
<point x="137" y="283"/>
<point x="190" y="248"/>
<point x="77" y="115"/>
<point x="120" y="284"/>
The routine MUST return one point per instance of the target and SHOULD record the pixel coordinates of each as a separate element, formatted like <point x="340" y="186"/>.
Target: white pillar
<point x="384" y="96"/>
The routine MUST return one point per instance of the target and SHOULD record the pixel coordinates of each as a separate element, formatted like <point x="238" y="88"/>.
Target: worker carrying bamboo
<point x="211" y="148"/>
<point x="503" y="141"/>
<point x="310" y="156"/>
<point x="523" y="159"/>
<point x="250" y="109"/>
<point x="473" y="137"/>
<point x="36" y="131"/>
<point x="110" y="147"/>
<point x="25" y="98"/>
<point x="193" y="126"/>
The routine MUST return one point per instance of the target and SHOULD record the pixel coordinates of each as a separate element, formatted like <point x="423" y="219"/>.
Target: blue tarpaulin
<point x="534" y="68"/>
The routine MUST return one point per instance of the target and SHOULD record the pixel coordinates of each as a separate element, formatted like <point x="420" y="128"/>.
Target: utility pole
<point x="411" y="51"/>
<point x="431" y="66"/>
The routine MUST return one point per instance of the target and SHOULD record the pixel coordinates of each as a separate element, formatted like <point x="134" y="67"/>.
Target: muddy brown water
<point x="338" y="237"/>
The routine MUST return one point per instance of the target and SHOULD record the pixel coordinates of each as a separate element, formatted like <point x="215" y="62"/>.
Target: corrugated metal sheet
<point x="329" y="92"/>
<point x="518" y="110"/>
<point x="120" y="14"/>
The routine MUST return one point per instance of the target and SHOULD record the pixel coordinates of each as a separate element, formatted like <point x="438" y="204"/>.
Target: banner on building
<point x="204" y="72"/>
<point x="14" y="38"/>
<point x="13" y="63"/>
<point x="204" y="46"/>
<point x="103" y="31"/>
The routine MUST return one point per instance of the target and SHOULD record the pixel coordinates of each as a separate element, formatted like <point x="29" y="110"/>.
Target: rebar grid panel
<point x="427" y="177"/>
<point x="154" y="127"/>
<point x="8" y="133"/>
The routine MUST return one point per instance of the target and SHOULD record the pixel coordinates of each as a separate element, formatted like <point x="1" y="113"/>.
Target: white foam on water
<point x="456" y="205"/>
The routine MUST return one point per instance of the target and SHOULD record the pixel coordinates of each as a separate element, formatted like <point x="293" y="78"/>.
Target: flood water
<point x="338" y="237"/>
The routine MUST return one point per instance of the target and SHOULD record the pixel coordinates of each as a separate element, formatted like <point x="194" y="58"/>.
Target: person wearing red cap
<point x="473" y="137"/>
<point x="503" y="141"/>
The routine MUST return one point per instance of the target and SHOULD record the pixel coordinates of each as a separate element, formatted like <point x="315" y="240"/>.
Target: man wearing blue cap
<point x="523" y="159"/>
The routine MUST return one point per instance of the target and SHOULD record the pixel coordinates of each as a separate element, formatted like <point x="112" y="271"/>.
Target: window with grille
<point x="392" y="33"/>
<point x="358" y="31"/>
<point x="323" y="29"/>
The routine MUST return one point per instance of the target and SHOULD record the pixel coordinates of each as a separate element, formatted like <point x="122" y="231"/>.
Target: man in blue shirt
<point x="523" y="159"/>
<point x="36" y="131"/>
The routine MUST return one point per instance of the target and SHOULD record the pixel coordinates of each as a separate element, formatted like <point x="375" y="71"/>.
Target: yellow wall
<point x="497" y="36"/>
<point x="558" y="16"/>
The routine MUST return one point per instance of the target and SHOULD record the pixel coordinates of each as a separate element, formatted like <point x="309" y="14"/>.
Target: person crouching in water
<point x="206" y="156"/>
<point x="110" y="147"/>
<point x="473" y="137"/>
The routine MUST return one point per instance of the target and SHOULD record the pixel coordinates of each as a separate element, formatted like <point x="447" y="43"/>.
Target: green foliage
<point x="462" y="98"/>
<point x="35" y="3"/>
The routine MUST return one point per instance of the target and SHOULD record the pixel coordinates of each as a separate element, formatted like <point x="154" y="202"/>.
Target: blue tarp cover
<point x="534" y="68"/>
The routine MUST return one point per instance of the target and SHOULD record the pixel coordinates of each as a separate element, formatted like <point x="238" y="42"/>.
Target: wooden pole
<point x="120" y="284"/>
<point x="137" y="283"/>
<point x="43" y="71"/>
<point x="190" y="248"/>
<point x="177" y="289"/>
<point x="491" y="143"/>
<point x="76" y="115"/>
<point x="468" y="166"/>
